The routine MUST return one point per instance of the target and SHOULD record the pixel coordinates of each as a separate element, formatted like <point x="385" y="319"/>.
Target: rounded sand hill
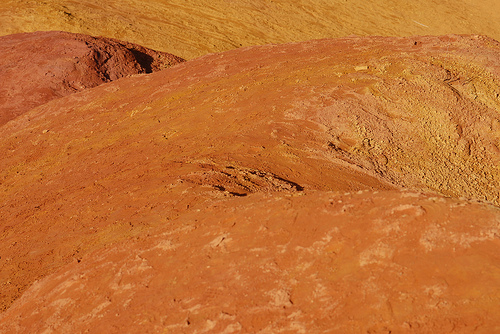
<point x="324" y="185"/>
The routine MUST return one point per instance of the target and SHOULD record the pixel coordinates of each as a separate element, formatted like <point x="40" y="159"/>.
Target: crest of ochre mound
<point x="348" y="185"/>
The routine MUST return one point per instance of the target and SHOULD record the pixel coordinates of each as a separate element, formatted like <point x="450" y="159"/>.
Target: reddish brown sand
<point x="38" y="67"/>
<point x="210" y="197"/>
<point x="388" y="262"/>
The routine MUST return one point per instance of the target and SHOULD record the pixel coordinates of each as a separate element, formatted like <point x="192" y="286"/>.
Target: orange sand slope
<point x="193" y="28"/>
<point x="387" y="262"/>
<point x="120" y="161"/>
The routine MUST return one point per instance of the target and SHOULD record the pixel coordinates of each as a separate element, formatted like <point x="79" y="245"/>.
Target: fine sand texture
<point x="193" y="28"/>
<point x="347" y="182"/>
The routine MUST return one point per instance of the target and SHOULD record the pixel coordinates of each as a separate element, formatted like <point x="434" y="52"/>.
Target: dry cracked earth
<point x="272" y="183"/>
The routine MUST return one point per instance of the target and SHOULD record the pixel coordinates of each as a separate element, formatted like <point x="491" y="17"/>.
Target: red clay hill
<point x="346" y="185"/>
<point x="38" y="67"/>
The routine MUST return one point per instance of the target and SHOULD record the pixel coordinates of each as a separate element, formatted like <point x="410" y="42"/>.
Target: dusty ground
<point x="92" y="182"/>
<point x="38" y="67"/>
<point x="321" y="262"/>
<point x="193" y="28"/>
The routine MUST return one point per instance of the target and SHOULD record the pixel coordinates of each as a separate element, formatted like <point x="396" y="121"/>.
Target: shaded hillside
<point x="38" y="67"/>
<point x="138" y="157"/>
<point x="193" y="28"/>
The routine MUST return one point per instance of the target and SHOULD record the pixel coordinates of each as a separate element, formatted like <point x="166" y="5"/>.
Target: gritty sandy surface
<point x="247" y="189"/>
<point x="319" y="262"/>
<point x="190" y="29"/>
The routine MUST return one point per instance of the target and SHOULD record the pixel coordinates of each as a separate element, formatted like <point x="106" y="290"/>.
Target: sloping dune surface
<point x="321" y="262"/>
<point x="193" y="28"/>
<point x="38" y="67"/>
<point x="131" y="158"/>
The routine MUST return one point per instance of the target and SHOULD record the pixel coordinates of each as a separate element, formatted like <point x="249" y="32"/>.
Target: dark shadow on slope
<point x="145" y="60"/>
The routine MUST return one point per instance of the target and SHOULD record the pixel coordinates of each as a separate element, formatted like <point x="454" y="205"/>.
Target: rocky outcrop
<point x="38" y="67"/>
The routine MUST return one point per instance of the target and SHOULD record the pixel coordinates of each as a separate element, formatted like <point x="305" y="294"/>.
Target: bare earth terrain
<point x="317" y="166"/>
<point x="322" y="262"/>
<point x="38" y="67"/>
<point x="193" y="28"/>
<point x="337" y="185"/>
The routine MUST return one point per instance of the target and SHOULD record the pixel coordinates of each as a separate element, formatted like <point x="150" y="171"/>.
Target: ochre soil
<point x="235" y="166"/>
<point x="193" y="28"/>
<point x="315" y="262"/>
<point x="38" y="67"/>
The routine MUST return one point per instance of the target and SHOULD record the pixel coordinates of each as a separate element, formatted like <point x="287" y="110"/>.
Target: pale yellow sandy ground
<point x="192" y="28"/>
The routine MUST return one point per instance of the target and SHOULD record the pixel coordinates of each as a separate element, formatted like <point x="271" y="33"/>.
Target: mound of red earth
<point x="41" y="66"/>
<point x="261" y="190"/>
<point x="368" y="262"/>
